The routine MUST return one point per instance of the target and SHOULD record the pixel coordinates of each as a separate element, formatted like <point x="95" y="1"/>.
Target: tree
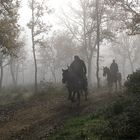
<point x="129" y="8"/>
<point x="9" y="30"/>
<point x="125" y="22"/>
<point x="1" y="68"/>
<point x="9" y="27"/>
<point x="38" y="29"/>
<point x="126" y="49"/>
<point x="16" y="60"/>
<point x="83" y="29"/>
<point x="98" y="42"/>
<point x="56" y="53"/>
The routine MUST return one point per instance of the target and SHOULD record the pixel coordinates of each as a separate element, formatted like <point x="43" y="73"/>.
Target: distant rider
<point x="114" y="69"/>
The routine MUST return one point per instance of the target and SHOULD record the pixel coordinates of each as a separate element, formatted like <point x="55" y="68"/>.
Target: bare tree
<point x="38" y="29"/>
<point x="129" y="8"/>
<point x="83" y="29"/>
<point x="126" y="49"/>
<point x="57" y="52"/>
<point x="98" y="42"/>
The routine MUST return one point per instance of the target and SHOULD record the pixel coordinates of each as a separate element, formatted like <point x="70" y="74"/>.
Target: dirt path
<point x="38" y="118"/>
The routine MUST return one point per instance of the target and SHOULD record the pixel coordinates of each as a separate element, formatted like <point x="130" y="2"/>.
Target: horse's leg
<point x="116" y="86"/>
<point x="70" y="94"/>
<point x="86" y="94"/>
<point x="78" y="97"/>
<point x="81" y="92"/>
<point x="110" y="86"/>
<point x="120" y="85"/>
<point x="73" y="96"/>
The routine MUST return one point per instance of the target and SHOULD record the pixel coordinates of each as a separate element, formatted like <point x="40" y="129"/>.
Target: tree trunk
<point x="123" y="67"/>
<point x="35" y="66"/>
<point x="23" y="73"/>
<point x="89" y="70"/>
<point x="17" y="73"/>
<point x="13" y="73"/>
<point x="33" y="47"/>
<point x="131" y="63"/>
<point x="129" y="54"/>
<point x="129" y="58"/>
<point x="84" y="29"/>
<point x="98" y="42"/>
<point x="1" y="68"/>
<point x="1" y="76"/>
<point x="53" y="74"/>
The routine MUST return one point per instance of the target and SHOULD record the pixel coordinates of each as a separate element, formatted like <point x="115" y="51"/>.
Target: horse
<point x="74" y="84"/>
<point x="112" y="79"/>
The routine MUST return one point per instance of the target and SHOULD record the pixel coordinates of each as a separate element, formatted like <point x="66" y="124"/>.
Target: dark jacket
<point x="78" y="67"/>
<point x="114" y="68"/>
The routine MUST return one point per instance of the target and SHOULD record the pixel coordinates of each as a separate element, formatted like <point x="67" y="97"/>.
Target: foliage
<point x="38" y="26"/>
<point x="129" y="11"/>
<point x="133" y="82"/>
<point x="124" y="114"/>
<point x="123" y="117"/>
<point x="9" y="27"/>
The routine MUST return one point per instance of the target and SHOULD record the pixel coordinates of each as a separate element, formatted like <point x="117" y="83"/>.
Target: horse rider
<point x="114" y="69"/>
<point x="79" y="68"/>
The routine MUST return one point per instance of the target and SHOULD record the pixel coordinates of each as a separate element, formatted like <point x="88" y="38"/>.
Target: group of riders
<point x="76" y="81"/>
<point x="79" y="68"/>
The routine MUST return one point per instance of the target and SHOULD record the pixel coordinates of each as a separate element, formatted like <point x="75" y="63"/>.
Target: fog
<point x="69" y="30"/>
<point x="69" y="69"/>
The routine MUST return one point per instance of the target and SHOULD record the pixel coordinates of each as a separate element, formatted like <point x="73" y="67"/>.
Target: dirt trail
<point x="38" y="118"/>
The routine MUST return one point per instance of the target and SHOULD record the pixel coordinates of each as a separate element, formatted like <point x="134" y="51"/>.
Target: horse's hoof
<point x="72" y="100"/>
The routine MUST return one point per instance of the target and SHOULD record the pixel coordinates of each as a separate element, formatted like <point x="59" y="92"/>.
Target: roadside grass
<point x="8" y="96"/>
<point x="81" y="128"/>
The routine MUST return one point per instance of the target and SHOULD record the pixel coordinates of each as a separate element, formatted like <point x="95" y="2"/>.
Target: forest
<point x="70" y="70"/>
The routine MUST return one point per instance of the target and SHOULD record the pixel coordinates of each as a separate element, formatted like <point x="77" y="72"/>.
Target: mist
<point x="76" y="56"/>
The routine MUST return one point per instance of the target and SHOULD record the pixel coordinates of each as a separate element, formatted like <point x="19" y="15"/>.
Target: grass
<point x="80" y="128"/>
<point x="9" y="95"/>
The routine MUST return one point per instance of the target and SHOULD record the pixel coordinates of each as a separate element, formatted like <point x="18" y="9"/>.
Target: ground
<point x="42" y="115"/>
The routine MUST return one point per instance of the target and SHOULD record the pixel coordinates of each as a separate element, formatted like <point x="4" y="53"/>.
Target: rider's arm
<point x="117" y="67"/>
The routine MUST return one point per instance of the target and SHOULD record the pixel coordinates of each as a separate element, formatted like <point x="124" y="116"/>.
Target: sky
<point x="57" y="5"/>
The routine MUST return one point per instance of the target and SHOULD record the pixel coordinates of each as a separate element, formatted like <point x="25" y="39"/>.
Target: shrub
<point x="133" y="82"/>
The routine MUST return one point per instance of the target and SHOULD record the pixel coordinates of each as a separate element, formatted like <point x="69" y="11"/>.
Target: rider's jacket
<point x="78" y="67"/>
<point x="114" y="68"/>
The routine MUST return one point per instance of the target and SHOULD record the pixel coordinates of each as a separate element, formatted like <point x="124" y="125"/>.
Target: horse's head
<point x="65" y="74"/>
<point x="105" y="71"/>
